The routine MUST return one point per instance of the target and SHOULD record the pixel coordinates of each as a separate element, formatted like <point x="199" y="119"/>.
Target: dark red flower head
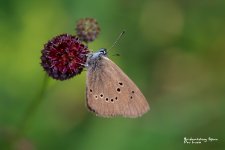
<point x="63" y="57"/>
<point x="87" y="29"/>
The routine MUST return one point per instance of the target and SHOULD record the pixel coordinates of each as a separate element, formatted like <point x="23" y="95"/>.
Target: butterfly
<point x="109" y="91"/>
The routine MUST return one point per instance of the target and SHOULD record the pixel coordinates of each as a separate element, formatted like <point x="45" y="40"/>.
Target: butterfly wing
<point x="110" y="92"/>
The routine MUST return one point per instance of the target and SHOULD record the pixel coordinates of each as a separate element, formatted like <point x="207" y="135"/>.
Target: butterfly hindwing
<point x="110" y="92"/>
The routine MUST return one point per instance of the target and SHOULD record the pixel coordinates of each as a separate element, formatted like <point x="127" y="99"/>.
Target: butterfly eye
<point x="103" y="51"/>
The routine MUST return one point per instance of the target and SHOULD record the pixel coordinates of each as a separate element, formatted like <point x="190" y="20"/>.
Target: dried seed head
<point x="87" y="29"/>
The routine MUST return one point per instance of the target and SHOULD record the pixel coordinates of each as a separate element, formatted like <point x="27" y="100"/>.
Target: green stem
<point x="33" y="107"/>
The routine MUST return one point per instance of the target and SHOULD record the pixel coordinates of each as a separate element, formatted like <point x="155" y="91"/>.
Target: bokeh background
<point x="174" y="50"/>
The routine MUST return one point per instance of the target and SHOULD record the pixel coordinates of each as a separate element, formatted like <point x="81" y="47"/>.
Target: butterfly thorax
<point x="94" y="58"/>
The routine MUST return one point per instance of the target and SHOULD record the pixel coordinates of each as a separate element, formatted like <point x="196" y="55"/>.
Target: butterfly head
<point x="94" y="57"/>
<point x="99" y="53"/>
<point x="103" y="51"/>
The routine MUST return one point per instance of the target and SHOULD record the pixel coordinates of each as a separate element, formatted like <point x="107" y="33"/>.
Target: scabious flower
<point x="87" y="29"/>
<point x="64" y="56"/>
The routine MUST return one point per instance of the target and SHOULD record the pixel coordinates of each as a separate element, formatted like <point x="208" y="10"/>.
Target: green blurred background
<point x="174" y="50"/>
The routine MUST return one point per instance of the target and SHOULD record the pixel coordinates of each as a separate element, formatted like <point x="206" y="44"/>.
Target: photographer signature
<point x="199" y="140"/>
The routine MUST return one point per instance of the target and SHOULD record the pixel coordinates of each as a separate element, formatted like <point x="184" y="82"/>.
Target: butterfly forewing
<point x="110" y="92"/>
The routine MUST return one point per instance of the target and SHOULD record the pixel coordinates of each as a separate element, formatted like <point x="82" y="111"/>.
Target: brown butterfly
<point x="109" y="91"/>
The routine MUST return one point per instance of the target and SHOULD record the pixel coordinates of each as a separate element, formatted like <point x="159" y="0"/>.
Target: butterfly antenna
<point x="117" y="40"/>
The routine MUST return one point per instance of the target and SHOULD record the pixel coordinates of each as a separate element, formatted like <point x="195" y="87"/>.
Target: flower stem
<point x="32" y="108"/>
